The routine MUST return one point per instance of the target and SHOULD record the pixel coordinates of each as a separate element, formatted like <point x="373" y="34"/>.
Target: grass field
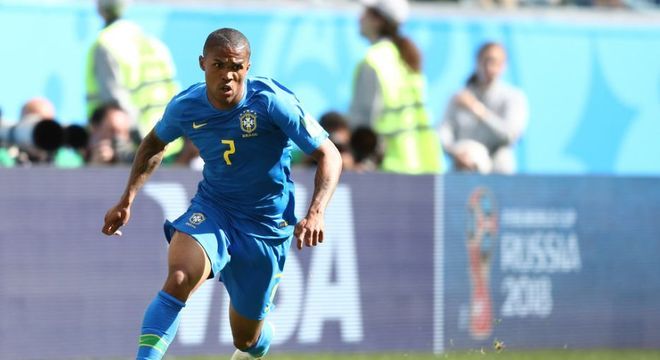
<point x="473" y="355"/>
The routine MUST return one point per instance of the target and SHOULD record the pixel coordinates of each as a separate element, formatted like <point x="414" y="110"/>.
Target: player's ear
<point x="201" y="63"/>
<point x="248" y="66"/>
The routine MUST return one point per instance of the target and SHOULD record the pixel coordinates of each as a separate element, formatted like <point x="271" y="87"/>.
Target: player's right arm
<point x="147" y="159"/>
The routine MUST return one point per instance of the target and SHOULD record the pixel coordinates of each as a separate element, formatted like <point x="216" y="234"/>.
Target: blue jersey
<point x="246" y="151"/>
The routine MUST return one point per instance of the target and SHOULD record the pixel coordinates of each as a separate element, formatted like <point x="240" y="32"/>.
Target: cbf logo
<point x="248" y="120"/>
<point x="196" y="219"/>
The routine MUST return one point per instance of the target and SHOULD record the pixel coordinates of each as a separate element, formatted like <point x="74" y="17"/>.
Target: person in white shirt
<point x="486" y="118"/>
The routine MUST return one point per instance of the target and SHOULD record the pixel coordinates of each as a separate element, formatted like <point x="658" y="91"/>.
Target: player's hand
<point x="309" y="231"/>
<point x="115" y="218"/>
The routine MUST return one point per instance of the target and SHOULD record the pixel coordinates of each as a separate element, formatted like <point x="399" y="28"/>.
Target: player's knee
<point x="180" y="280"/>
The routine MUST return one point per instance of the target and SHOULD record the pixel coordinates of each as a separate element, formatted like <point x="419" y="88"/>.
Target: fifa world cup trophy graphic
<point x="481" y="232"/>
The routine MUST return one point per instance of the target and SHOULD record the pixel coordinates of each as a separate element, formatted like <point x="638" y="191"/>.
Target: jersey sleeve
<point x="168" y="128"/>
<point x="297" y="124"/>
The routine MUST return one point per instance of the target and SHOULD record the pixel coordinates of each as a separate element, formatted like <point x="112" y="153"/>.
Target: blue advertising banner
<point x="82" y="294"/>
<point x="550" y="262"/>
<point x="410" y="264"/>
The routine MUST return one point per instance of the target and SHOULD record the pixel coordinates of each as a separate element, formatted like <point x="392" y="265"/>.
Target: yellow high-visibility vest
<point x="411" y="144"/>
<point x="146" y="69"/>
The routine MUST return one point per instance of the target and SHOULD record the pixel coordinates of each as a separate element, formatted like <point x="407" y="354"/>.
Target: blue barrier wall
<point x="550" y="262"/>
<point x="592" y="80"/>
<point x="410" y="264"/>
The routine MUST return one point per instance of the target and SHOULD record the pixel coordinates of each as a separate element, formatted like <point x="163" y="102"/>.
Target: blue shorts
<point x="250" y="268"/>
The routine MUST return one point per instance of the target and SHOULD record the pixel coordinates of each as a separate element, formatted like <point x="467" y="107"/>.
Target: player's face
<point x="225" y="70"/>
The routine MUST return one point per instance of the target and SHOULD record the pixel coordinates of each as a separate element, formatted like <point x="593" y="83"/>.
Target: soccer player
<point x="241" y="222"/>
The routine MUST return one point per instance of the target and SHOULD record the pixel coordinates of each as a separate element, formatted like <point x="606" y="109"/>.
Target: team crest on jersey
<point x="196" y="219"/>
<point x="248" y="123"/>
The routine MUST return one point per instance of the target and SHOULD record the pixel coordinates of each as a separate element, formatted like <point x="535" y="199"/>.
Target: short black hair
<point x="333" y="121"/>
<point x="102" y="110"/>
<point x="364" y="142"/>
<point x="227" y="37"/>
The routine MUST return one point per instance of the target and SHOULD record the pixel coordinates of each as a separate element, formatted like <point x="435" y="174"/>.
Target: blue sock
<point x="260" y="348"/>
<point x="161" y="320"/>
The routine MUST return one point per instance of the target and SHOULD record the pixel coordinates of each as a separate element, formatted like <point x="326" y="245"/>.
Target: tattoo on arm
<point x="147" y="159"/>
<point x="326" y="178"/>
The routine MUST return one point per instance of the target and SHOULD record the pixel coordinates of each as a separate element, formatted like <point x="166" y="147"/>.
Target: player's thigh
<point x="206" y="227"/>
<point x="186" y="257"/>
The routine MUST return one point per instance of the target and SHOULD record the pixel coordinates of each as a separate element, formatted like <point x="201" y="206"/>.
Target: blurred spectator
<point x="132" y="68"/>
<point x="337" y="127"/>
<point x="389" y="92"/>
<point x="73" y="152"/>
<point x="498" y="3"/>
<point x="607" y="3"/>
<point x="485" y="119"/>
<point x="111" y="141"/>
<point x="366" y="152"/>
<point x="70" y="154"/>
<point x="6" y="160"/>
<point x="38" y="107"/>
<point x="37" y="138"/>
<point x="347" y="160"/>
<point x="340" y="134"/>
<point x="34" y="110"/>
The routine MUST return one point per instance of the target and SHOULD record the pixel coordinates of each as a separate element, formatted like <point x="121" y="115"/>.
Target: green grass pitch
<point x="471" y="355"/>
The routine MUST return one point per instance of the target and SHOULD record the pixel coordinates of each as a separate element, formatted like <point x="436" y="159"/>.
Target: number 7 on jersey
<point x="231" y="150"/>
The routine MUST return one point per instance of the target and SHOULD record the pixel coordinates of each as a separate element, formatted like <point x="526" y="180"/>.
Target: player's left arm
<point x="309" y="230"/>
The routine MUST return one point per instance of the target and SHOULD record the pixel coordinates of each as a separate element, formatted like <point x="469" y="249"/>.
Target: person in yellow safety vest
<point x="136" y="70"/>
<point x="389" y="92"/>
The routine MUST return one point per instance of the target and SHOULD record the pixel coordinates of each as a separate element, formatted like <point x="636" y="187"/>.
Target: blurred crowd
<point x="130" y="79"/>
<point x="505" y="3"/>
<point x="527" y="3"/>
